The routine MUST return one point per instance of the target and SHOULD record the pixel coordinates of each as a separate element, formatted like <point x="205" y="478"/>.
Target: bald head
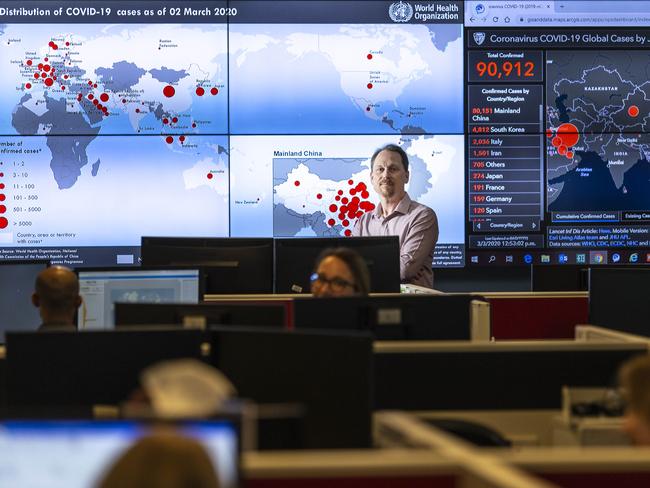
<point x="56" y="294"/>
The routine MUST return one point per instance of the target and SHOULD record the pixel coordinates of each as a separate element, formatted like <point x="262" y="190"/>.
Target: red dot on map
<point x="557" y="142"/>
<point x="104" y="97"/>
<point x="54" y="77"/>
<point x="45" y="59"/>
<point x="214" y="90"/>
<point x="67" y="43"/>
<point x="345" y="223"/>
<point x="2" y="175"/>
<point x="62" y="87"/>
<point x="200" y="91"/>
<point x="343" y="209"/>
<point x="352" y="191"/>
<point x="549" y="133"/>
<point x="2" y="186"/>
<point x="46" y="67"/>
<point x="36" y="75"/>
<point x="79" y="97"/>
<point x="165" y="121"/>
<point x="99" y="106"/>
<point x="340" y="192"/>
<point x="367" y="109"/>
<point x="137" y="110"/>
<point x="124" y="100"/>
<point x="569" y="154"/>
<point x="568" y="133"/>
<point x="96" y="102"/>
<point x="65" y="77"/>
<point x="169" y="91"/>
<point x="337" y="198"/>
<point x="210" y="176"/>
<point x="633" y="111"/>
<point x="90" y="83"/>
<point x="181" y="138"/>
<point x="3" y="209"/>
<point x="3" y="223"/>
<point x="169" y="139"/>
<point x="562" y="150"/>
<point x="55" y="46"/>
<point x="369" y="56"/>
<point x="369" y="85"/>
<point x="94" y="85"/>
<point x="344" y="200"/>
<point x="90" y="96"/>
<point x="359" y="213"/>
<point x="2" y="197"/>
<point x="350" y="182"/>
<point x="365" y="194"/>
<point x="174" y="119"/>
<point x="319" y="196"/>
<point x="348" y="232"/>
<point x="49" y="81"/>
<point x="331" y="222"/>
<point x="193" y="124"/>
<point x="297" y="183"/>
<point x="28" y="85"/>
<point x="29" y="62"/>
<point x="333" y="208"/>
<point x="341" y="216"/>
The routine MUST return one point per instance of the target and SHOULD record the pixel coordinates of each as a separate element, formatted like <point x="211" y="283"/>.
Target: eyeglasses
<point x="336" y="284"/>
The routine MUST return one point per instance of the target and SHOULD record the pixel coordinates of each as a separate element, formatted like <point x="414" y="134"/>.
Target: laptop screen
<point x="48" y="454"/>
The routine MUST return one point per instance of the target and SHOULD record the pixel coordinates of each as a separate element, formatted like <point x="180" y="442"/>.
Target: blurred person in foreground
<point x="340" y="272"/>
<point x="162" y="460"/>
<point x="56" y="295"/>
<point x="635" y="381"/>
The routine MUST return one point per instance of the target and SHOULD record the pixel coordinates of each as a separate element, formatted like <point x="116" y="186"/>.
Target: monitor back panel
<point x="295" y="260"/>
<point x="330" y="374"/>
<point x="61" y="369"/>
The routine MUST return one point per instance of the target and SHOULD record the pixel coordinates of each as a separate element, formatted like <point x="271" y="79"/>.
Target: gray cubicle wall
<point x="491" y="376"/>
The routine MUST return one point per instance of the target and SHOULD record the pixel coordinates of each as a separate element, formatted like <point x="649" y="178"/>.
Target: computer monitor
<point x="69" y="372"/>
<point x="202" y="314"/>
<point x="410" y="317"/>
<point x="101" y="288"/>
<point x="51" y="454"/>
<point x="232" y="265"/>
<point x="17" y="285"/>
<point x="295" y="259"/>
<point x="329" y="373"/>
<point x="566" y="277"/>
<point x="618" y="299"/>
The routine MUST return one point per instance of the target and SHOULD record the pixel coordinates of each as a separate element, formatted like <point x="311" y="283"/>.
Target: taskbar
<point x="587" y="257"/>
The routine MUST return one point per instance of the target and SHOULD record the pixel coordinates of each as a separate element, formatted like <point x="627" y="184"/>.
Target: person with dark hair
<point x="635" y="382"/>
<point x="415" y="224"/>
<point x="340" y="272"/>
<point x="162" y="460"/>
<point x="56" y="295"/>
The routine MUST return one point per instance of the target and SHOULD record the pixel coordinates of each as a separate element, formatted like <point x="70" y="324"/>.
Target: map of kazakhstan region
<point x="86" y="80"/>
<point x="598" y="119"/>
<point x="324" y="197"/>
<point x="369" y="79"/>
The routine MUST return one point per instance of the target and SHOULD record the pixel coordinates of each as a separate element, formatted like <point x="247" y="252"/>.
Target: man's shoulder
<point x="421" y="210"/>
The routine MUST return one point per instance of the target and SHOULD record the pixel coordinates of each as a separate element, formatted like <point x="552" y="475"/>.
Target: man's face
<point x="388" y="175"/>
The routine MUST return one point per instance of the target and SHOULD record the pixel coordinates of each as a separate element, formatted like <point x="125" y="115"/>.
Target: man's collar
<point x="402" y="207"/>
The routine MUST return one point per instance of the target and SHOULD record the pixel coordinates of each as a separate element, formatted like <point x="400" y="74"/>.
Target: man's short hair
<point x="393" y="148"/>
<point x="57" y="292"/>
<point x="635" y="381"/>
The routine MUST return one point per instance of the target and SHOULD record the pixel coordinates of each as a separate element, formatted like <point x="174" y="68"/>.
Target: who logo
<point x="400" y="11"/>
<point x="479" y="37"/>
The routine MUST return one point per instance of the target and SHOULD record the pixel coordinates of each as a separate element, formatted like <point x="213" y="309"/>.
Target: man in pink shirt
<point x="415" y="224"/>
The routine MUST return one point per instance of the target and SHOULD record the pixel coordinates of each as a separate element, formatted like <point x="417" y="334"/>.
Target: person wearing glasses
<point x="415" y="224"/>
<point x="634" y="378"/>
<point x="340" y="272"/>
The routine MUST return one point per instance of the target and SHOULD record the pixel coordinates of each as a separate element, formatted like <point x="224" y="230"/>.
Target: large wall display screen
<point x="204" y="118"/>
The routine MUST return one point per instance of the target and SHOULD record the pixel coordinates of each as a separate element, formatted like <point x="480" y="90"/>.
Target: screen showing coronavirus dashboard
<point x="525" y="124"/>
